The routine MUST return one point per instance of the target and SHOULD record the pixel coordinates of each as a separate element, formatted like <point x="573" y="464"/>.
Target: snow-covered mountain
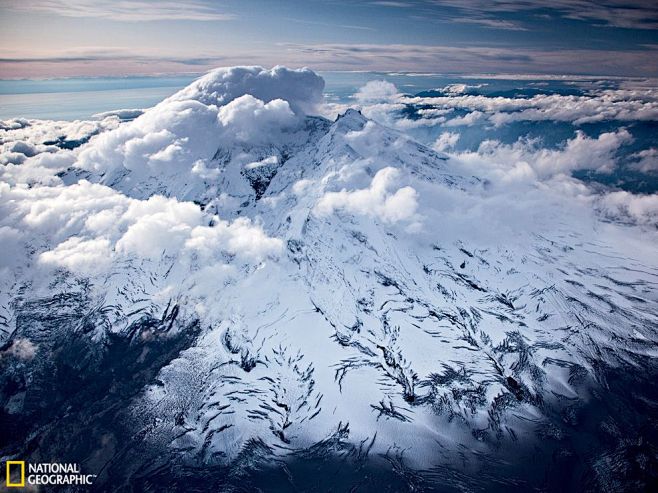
<point x="229" y="283"/>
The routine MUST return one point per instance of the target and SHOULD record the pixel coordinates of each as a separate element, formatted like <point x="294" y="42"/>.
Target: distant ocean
<point x="80" y="98"/>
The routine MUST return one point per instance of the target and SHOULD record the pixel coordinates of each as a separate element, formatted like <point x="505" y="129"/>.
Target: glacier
<point x="231" y="291"/>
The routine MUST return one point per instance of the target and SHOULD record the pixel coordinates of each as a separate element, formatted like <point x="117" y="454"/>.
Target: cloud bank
<point x="87" y="227"/>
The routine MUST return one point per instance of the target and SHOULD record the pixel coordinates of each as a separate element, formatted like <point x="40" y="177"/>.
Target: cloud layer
<point x="87" y="227"/>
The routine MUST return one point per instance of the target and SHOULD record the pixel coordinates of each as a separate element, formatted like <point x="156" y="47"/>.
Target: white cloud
<point x="85" y="227"/>
<point x="379" y="200"/>
<point x="29" y="149"/>
<point x="454" y="89"/>
<point x="251" y="120"/>
<point x="201" y="170"/>
<point x="618" y="104"/>
<point x="157" y="225"/>
<point x="125" y="114"/>
<point x="467" y="120"/>
<point x="628" y="207"/>
<point x="38" y="132"/>
<point x="302" y="186"/>
<point x="381" y="101"/>
<point x="646" y="160"/>
<point x="446" y="141"/>
<point x="526" y="160"/>
<point x="301" y="88"/>
<point x="263" y="162"/>
<point x="82" y="256"/>
<point x="241" y="237"/>
<point x="376" y="91"/>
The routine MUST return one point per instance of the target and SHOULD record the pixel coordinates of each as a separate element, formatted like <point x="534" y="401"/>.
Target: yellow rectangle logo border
<point x="10" y="463"/>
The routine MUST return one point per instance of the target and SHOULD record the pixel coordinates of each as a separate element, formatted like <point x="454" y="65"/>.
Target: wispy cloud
<point x="124" y="10"/>
<point x="329" y="24"/>
<point x="491" y="23"/>
<point x="385" y="3"/>
<point x="634" y="14"/>
<point x="631" y="14"/>
<point x="470" y="59"/>
<point x="336" y="56"/>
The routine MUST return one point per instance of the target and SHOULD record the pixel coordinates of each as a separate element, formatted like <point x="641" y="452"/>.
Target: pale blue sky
<point x="50" y="38"/>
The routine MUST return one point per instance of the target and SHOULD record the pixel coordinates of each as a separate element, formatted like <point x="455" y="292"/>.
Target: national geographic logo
<point x="45" y="474"/>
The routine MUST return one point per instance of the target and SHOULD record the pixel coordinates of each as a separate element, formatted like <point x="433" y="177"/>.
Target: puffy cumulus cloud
<point x="43" y="132"/>
<point x="171" y="135"/>
<point x="302" y="186"/>
<point x="382" y="101"/>
<point x="380" y="200"/>
<point x="526" y="160"/>
<point x="302" y="88"/>
<point x="627" y="207"/>
<point x="468" y="119"/>
<point x="56" y="212"/>
<point x="36" y="151"/>
<point x="125" y="114"/>
<point x="600" y="105"/>
<point x="86" y="227"/>
<point x="43" y="169"/>
<point x="525" y="176"/>
<point x="251" y="120"/>
<point x="374" y="143"/>
<point x="155" y="226"/>
<point x="241" y="237"/>
<point x="376" y="91"/>
<point x="461" y="88"/>
<point x="78" y="255"/>
<point x="446" y="141"/>
<point x="645" y="161"/>
<point x="390" y="114"/>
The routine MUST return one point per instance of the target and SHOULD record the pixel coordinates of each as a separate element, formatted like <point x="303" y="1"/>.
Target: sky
<point x="63" y="38"/>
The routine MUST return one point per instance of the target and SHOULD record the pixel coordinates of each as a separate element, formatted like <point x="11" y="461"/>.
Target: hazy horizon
<point x="58" y="38"/>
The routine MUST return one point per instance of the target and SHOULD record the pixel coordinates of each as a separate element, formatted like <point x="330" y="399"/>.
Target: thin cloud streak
<point x="124" y="10"/>
<point x="384" y="57"/>
<point x="469" y="59"/>
<point x="631" y="14"/>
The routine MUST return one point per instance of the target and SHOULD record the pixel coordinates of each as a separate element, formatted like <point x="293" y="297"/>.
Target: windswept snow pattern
<point x="229" y="292"/>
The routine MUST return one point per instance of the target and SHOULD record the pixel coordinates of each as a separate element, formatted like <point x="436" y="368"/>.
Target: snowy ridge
<point x="281" y="284"/>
